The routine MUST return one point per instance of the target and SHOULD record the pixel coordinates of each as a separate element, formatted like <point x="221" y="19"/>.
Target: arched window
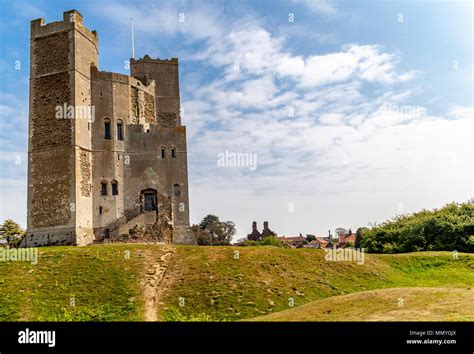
<point x="114" y="188"/>
<point x="119" y="130"/>
<point x="163" y="152"/>
<point x="173" y="152"/>
<point x="103" y="188"/>
<point x="107" y="135"/>
<point x="176" y="190"/>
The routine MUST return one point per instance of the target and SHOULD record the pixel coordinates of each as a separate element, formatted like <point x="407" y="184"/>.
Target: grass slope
<point x="72" y="284"/>
<point x="105" y="282"/>
<point x="395" y="304"/>
<point x="266" y="279"/>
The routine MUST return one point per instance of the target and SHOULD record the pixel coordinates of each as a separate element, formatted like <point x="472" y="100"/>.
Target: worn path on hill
<point x="157" y="279"/>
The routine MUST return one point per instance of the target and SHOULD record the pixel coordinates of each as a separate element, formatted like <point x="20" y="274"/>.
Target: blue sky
<point x="356" y="110"/>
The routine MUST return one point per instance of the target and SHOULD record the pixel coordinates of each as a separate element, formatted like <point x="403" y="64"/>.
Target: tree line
<point x="447" y="229"/>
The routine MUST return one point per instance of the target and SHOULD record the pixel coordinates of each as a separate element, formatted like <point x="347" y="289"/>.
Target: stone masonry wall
<point x="50" y="145"/>
<point x="142" y="104"/>
<point x="47" y="130"/>
<point x="50" y="204"/>
<point x="134" y="105"/>
<point x="50" y="53"/>
<point x="149" y="106"/>
<point x="167" y="119"/>
<point x="85" y="168"/>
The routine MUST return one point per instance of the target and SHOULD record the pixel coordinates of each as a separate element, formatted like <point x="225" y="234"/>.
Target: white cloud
<point x="168" y="18"/>
<point x="290" y="65"/>
<point x="331" y="119"/>
<point x="323" y="7"/>
<point x="462" y="112"/>
<point x="255" y="51"/>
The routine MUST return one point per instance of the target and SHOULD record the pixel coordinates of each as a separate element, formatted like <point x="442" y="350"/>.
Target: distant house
<point x="346" y="237"/>
<point x="293" y="241"/>
<point x="257" y="236"/>
<point x="266" y="231"/>
<point x="254" y="235"/>
<point x="318" y="243"/>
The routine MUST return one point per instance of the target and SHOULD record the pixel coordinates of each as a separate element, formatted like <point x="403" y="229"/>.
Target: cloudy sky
<point x="355" y="111"/>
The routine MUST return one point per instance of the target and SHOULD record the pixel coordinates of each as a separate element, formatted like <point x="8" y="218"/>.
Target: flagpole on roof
<point x="133" y="43"/>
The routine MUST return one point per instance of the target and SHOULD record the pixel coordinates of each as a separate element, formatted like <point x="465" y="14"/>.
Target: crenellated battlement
<point x="148" y="59"/>
<point x="72" y="19"/>
<point x="149" y="87"/>
<point x="109" y="76"/>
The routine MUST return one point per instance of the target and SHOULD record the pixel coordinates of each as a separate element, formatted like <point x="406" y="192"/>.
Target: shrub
<point x="267" y="241"/>
<point x="173" y="314"/>
<point x="447" y="229"/>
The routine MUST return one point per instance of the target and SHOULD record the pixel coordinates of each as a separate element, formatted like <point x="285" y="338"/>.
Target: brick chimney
<point x="265" y="225"/>
<point x="254" y="226"/>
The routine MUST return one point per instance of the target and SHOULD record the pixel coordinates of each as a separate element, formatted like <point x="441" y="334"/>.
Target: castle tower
<point x="166" y="75"/>
<point x="59" y="157"/>
<point x="173" y="171"/>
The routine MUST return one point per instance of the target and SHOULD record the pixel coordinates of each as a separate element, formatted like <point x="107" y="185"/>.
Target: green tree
<point x="222" y="232"/>
<point x="310" y="238"/>
<point x="447" y="229"/>
<point x="215" y="232"/>
<point x="271" y="241"/>
<point x="11" y="231"/>
<point x="266" y="241"/>
<point x="359" y="236"/>
<point x="203" y="237"/>
<point x="208" y="220"/>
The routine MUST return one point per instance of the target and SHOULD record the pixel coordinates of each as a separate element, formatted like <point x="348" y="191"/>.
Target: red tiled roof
<point x="291" y="238"/>
<point x="347" y="237"/>
<point x="319" y="241"/>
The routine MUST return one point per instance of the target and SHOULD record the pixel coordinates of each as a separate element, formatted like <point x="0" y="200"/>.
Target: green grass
<point x="267" y="279"/>
<point x="212" y="284"/>
<point x="394" y="304"/>
<point x="73" y="284"/>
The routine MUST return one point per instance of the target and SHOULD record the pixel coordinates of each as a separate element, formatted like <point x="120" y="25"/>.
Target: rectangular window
<point x="103" y="190"/>
<point x="177" y="192"/>
<point x="107" y="130"/>
<point x="162" y="152"/>
<point x="119" y="131"/>
<point x="173" y="153"/>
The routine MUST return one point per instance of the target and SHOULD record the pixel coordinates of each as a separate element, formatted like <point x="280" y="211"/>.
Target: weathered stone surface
<point x="86" y="173"/>
<point x="47" y="131"/>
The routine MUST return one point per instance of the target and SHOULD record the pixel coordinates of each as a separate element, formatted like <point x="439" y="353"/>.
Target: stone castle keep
<point x="121" y="175"/>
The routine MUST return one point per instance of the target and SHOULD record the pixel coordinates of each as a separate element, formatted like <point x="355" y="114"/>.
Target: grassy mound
<point x="264" y="280"/>
<point x="395" y="304"/>
<point x="105" y="282"/>
<point x="73" y="284"/>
